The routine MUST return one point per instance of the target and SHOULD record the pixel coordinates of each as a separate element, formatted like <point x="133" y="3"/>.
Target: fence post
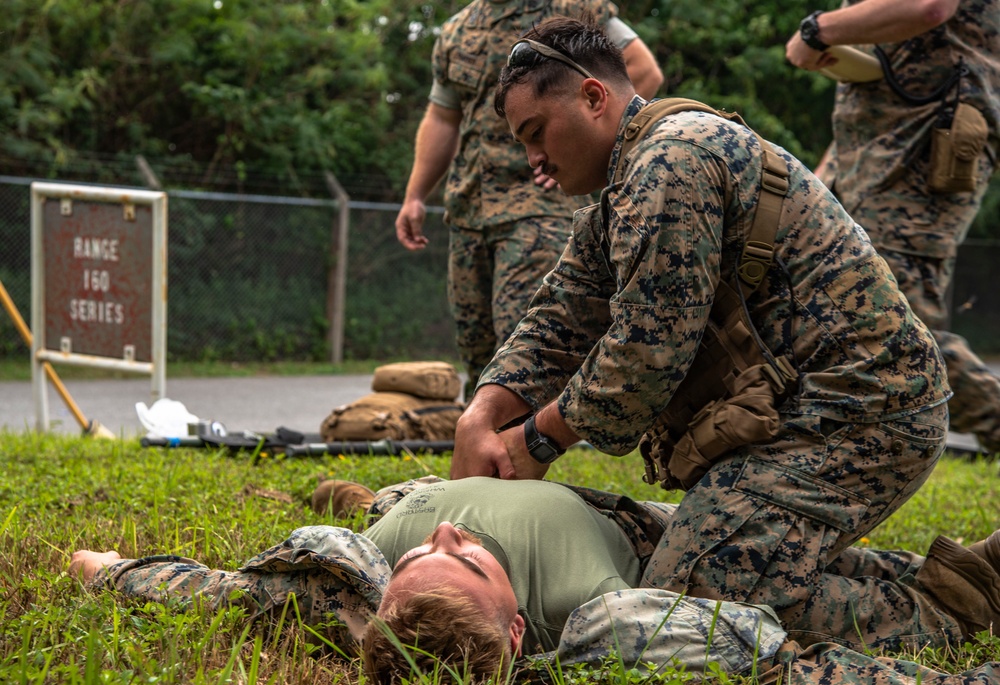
<point x="148" y="175"/>
<point x="336" y="281"/>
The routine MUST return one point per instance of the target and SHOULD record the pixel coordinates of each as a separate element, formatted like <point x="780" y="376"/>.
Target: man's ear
<point x="516" y="634"/>
<point x="596" y="95"/>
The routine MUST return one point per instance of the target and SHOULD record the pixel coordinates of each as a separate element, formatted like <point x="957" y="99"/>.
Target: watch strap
<point x="541" y="447"/>
<point x="809" y="30"/>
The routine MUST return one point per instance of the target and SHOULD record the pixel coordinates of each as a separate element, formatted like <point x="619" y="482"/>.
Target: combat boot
<point x="965" y="581"/>
<point x="342" y="497"/>
<point x="989" y="549"/>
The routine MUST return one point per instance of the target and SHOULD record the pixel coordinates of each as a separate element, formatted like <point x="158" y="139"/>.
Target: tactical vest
<point x="730" y="394"/>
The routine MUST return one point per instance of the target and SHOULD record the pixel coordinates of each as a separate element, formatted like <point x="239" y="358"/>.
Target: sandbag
<point x="392" y="416"/>
<point x="433" y="380"/>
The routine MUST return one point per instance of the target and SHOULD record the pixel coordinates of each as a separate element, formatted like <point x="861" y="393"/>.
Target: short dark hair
<point x="583" y="41"/>
<point x="438" y="629"/>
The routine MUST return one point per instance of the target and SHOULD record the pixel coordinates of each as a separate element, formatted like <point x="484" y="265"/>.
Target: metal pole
<point x="336" y="284"/>
<point x="148" y="175"/>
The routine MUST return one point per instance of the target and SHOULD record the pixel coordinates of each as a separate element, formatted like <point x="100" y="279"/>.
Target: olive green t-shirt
<point x="557" y="550"/>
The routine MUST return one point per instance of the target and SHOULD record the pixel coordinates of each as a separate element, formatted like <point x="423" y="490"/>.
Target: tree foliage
<point x="282" y="87"/>
<point x="293" y="87"/>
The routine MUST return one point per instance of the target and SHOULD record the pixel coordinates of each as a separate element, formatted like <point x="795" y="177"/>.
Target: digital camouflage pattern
<point x="492" y="275"/>
<point x="881" y="157"/>
<point x="617" y="323"/>
<point x="489" y="181"/>
<point x="657" y="626"/>
<point x="768" y="524"/>
<point x="506" y="232"/>
<point x="338" y="576"/>
<point x="651" y="628"/>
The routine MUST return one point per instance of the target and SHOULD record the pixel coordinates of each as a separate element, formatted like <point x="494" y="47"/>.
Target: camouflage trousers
<point x="918" y="234"/>
<point x="774" y="524"/>
<point x="830" y="664"/>
<point x="492" y="275"/>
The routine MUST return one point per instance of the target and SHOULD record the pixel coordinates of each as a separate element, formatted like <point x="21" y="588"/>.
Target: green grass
<point x="59" y="494"/>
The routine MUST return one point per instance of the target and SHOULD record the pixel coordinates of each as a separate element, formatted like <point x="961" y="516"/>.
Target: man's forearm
<point x="436" y="145"/>
<point x="883" y="21"/>
<point x="163" y="578"/>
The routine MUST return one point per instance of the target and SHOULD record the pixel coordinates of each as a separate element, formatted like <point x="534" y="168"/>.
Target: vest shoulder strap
<point x="758" y="251"/>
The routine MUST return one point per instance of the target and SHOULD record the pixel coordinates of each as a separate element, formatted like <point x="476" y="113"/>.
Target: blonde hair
<point x="438" y="631"/>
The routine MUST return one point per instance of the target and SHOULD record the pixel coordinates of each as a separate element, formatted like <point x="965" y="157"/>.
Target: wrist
<point x="542" y="448"/>
<point x="809" y="29"/>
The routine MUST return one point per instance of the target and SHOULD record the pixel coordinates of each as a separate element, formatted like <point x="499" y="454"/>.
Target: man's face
<point x="561" y="133"/>
<point x="455" y="560"/>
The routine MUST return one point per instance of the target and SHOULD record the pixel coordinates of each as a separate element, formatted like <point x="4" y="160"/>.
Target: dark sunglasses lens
<point x="522" y="55"/>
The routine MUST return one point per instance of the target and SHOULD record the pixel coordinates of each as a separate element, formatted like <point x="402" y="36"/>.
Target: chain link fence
<point x="249" y="278"/>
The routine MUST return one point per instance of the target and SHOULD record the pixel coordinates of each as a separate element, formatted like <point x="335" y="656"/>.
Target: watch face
<point x="809" y="28"/>
<point x="544" y="453"/>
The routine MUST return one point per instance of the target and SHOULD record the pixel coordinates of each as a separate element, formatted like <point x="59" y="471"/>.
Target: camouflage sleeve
<point x="647" y="628"/>
<point x="336" y="576"/>
<point x="664" y="240"/>
<point x="567" y="316"/>
<point x="169" y="578"/>
<point x="439" y="58"/>
<point x="601" y="10"/>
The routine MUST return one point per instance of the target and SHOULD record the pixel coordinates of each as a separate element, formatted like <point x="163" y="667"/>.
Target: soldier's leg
<point x="470" y="296"/>
<point x="523" y="252"/>
<point x="858" y="562"/>
<point x="764" y="527"/>
<point x="975" y="407"/>
<point x="918" y="235"/>
<point x="825" y="663"/>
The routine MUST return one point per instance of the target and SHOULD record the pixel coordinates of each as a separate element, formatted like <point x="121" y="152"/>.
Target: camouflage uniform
<point x="337" y="574"/>
<point x="505" y="232"/>
<point x="881" y="157"/>
<point x="616" y="325"/>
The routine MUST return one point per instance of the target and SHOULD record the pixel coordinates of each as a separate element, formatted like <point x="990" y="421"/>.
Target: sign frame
<point x="127" y="198"/>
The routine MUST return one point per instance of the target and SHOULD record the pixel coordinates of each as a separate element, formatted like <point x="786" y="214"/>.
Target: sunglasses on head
<point x="522" y="54"/>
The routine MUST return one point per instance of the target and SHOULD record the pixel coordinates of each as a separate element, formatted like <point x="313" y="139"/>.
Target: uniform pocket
<point x="467" y="64"/>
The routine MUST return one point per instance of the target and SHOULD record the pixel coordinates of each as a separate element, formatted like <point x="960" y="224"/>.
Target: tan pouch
<point x="748" y="417"/>
<point x="955" y="151"/>
<point x="392" y="416"/>
<point x="433" y="380"/>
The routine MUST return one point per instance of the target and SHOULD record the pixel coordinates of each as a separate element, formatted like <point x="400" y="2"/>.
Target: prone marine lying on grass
<point x="479" y="572"/>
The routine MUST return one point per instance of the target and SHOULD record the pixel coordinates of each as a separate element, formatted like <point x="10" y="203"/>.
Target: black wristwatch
<point x="541" y="447"/>
<point x="809" y="30"/>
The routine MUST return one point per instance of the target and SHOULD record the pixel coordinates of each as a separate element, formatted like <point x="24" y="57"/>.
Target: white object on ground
<point x="166" y="418"/>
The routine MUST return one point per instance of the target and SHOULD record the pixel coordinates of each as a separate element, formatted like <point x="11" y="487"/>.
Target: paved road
<point x="260" y="403"/>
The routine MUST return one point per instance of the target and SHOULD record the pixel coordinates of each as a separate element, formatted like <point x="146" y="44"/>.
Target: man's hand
<point x="410" y="225"/>
<point x="480" y="451"/>
<point x="526" y="467"/>
<point x="804" y="57"/>
<point x="85" y="564"/>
